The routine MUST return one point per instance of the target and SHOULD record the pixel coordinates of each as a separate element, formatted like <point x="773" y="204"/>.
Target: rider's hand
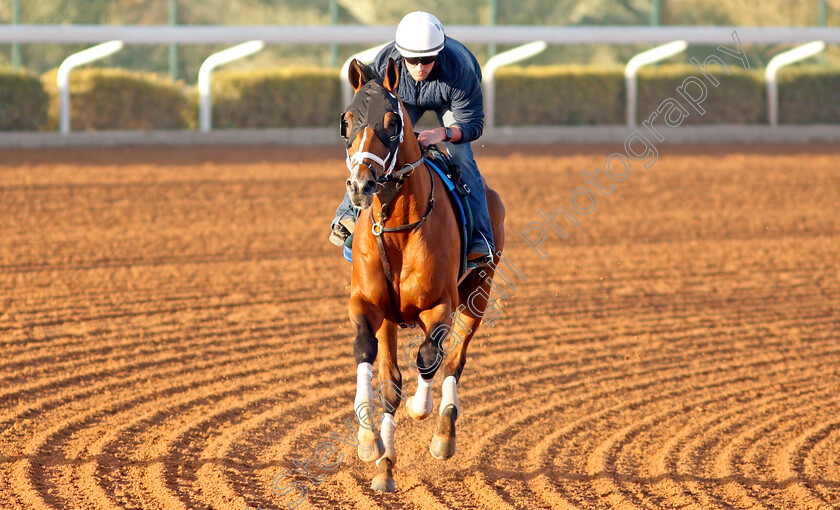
<point x="431" y="136"/>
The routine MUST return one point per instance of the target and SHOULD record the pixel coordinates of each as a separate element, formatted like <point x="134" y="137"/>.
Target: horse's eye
<point x="343" y="128"/>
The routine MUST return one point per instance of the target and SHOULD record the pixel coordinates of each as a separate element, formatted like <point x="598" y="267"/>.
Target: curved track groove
<point x="541" y="455"/>
<point x="174" y="334"/>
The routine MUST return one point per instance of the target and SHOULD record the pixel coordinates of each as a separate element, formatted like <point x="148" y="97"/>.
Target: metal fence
<point x="255" y="37"/>
<point x="489" y="13"/>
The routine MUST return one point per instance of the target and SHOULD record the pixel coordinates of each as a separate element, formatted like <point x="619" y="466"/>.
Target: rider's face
<point x="419" y="71"/>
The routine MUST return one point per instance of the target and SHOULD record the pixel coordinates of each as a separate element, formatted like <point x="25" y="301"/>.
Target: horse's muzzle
<point x="361" y="192"/>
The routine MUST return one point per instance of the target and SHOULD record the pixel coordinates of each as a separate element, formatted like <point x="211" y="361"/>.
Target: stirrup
<point x="342" y="230"/>
<point x="484" y="260"/>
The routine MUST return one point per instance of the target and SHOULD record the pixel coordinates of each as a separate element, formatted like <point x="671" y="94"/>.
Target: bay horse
<point x="405" y="270"/>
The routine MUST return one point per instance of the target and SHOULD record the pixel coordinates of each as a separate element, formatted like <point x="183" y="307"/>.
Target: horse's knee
<point x="365" y="347"/>
<point x="429" y="357"/>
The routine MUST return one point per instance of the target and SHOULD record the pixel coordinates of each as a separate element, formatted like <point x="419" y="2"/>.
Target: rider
<point x="437" y="73"/>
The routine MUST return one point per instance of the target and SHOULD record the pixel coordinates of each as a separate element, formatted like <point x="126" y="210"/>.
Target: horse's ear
<point x="355" y="75"/>
<point x="392" y="76"/>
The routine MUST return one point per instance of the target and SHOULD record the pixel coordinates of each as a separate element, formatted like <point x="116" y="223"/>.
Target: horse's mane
<point x="368" y="73"/>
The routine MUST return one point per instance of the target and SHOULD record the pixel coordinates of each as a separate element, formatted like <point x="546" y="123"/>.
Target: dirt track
<point x="173" y="332"/>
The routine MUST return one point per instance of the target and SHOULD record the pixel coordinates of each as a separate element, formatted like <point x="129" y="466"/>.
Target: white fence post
<point x="502" y="59"/>
<point x="779" y="61"/>
<point x="205" y="106"/>
<point x="642" y="59"/>
<point x="63" y="78"/>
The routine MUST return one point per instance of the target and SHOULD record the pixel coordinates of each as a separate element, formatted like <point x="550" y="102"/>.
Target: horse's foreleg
<point x="436" y="323"/>
<point x="389" y="395"/>
<point x="363" y="317"/>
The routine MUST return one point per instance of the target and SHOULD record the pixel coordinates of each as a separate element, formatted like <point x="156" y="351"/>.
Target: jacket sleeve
<point x="380" y="62"/>
<point x="468" y="106"/>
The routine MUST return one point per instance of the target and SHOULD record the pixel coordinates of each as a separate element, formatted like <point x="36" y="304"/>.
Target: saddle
<point x="457" y="191"/>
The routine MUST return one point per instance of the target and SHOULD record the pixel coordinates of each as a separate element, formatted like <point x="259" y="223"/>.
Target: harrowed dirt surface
<point x="174" y="333"/>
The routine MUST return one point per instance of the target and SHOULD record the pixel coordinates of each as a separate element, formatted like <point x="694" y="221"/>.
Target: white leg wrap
<point x="449" y="394"/>
<point x="364" y="392"/>
<point x="387" y="430"/>
<point x="423" y="403"/>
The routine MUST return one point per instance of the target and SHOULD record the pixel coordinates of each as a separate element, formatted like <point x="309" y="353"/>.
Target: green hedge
<point x="310" y="97"/>
<point x="23" y="101"/>
<point x="103" y="99"/>
<point x="289" y="97"/>
<point x="809" y="95"/>
<point x="559" y="95"/>
<point x="739" y="98"/>
<point x="572" y="95"/>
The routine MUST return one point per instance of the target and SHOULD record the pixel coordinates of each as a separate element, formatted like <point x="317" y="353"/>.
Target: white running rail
<point x="489" y="74"/>
<point x="205" y="105"/>
<point x="779" y="61"/>
<point x="73" y="61"/>
<point x="642" y="59"/>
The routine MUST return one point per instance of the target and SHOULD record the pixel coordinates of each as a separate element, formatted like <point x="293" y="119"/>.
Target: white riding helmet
<point x="419" y="34"/>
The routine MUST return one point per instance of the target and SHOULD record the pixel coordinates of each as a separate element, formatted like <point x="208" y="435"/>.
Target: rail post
<point x="63" y="78"/>
<point x="205" y="105"/>
<point x="493" y="64"/>
<point x="779" y="61"/>
<point x="642" y="59"/>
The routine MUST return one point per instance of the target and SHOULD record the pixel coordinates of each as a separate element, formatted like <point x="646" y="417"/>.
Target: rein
<point x="407" y="168"/>
<point x="377" y="228"/>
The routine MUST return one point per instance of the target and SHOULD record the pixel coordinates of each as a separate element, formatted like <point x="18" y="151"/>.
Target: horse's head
<point x="372" y="127"/>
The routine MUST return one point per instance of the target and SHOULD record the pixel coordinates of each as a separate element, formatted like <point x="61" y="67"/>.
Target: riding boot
<point x="481" y="246"/>
<point x="344" y="223"/>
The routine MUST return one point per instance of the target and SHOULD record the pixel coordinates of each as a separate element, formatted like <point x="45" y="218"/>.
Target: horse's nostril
<point x="368" y="189"/>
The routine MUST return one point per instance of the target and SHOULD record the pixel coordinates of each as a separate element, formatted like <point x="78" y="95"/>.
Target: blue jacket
<point x="454" y="83"/>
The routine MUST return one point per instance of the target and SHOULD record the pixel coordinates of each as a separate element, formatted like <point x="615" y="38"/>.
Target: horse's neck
<point x="415" y="189"/>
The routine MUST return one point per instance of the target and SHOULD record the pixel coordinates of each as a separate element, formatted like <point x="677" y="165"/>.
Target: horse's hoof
<point x="383" y="480"/>
<point x="371" y="449"/>
<point x="443" y="442"/>
<point x="442" y="447"/>
<point x="410" y="409"/>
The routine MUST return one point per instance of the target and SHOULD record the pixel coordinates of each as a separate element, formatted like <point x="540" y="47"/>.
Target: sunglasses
<point x="420" y="60"/>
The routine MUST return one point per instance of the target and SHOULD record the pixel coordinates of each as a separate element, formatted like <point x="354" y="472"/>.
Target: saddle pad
<point x="461" y="206"/>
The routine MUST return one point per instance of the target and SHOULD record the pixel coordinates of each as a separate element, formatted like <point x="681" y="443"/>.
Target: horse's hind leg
<point x="473" y="293"/>
<point x="455" y="346"/>
<point x="365" y="318"/>
<point x="389" y="395"/>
